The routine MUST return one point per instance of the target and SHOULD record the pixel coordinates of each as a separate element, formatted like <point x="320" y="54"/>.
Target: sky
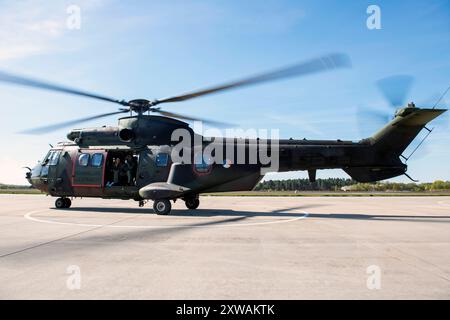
<point x="154" y="49"/>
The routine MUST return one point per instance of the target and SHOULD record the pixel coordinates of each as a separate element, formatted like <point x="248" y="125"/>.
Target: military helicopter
<point x="136" y="159"/>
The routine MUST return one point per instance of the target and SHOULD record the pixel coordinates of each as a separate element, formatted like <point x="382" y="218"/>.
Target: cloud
<point x="33" y="27"/>
<point x="253" y="17"/>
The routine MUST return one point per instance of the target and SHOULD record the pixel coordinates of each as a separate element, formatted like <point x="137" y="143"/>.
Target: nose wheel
<point x="62" y="203"/>
<point x="162" y="206"/>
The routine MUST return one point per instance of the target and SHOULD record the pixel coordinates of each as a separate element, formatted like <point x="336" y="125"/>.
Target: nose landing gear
<point x="62" y="203"/>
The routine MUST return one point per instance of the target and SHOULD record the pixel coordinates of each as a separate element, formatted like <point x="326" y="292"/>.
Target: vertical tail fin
<point x="390" y="142"/>
<point x="396" y="136"/>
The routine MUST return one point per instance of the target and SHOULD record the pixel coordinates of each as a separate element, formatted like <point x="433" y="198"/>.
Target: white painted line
<point x="226" y="225"/>
<point x="444" y="203"/>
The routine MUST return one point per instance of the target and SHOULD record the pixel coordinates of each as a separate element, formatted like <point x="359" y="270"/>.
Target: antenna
<point x="443" y="95"/>
<point x="413" y="180"/>
<point x="418" y="146"/>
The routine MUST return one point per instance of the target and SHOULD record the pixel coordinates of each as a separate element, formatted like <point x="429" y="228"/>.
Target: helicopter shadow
<point x="380" y="217"/>
<point x="284" y="212"/>
<point x="228" y="216"/>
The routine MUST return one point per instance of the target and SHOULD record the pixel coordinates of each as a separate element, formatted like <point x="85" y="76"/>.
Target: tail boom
<point x="390" y="142"/>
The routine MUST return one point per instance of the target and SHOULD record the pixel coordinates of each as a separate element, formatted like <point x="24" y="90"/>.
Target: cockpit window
<point x="97" y="160"/>
<point x="83" y="159"/>
<point x="51" y="159"/>
<point x="44" y="161"/>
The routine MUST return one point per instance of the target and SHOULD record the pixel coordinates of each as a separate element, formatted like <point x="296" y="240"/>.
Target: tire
<point x="67" y="203"/>
<point x="162" y="207"/>
<point x="60" y="203"/>
<point x="192" y="203"/>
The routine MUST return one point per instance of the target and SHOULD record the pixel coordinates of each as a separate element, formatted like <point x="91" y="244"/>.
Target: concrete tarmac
<point x="230" y="248"/>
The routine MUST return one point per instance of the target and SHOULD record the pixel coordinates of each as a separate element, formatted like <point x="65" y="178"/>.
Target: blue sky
<point x="154" y="49"/>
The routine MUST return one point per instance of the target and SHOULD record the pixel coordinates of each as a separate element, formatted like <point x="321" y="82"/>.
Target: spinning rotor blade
<point x="328" y="62"/>
<point x="23" y="81"/>
<point x="139" y="106"/>
<point x="371" y="120"/>
<point x="183" y="117"/>
<point x="56" y="126"/>
<point x="395" y="89"/>
<point x="379" y="116"/>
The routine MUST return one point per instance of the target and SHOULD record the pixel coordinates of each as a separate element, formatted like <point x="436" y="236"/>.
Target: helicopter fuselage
<point x="125" y="169"/>
<point x="69" y="170"/>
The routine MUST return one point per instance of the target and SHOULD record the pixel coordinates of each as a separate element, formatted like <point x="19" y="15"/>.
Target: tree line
<point x="330" y="184"/>
<point x="341" y="184"/>
<point x="12" y="186"/>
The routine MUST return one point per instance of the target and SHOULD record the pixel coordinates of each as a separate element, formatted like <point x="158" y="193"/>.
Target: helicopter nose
<point x="28" y="174"/>
<point x="33" y="176"/>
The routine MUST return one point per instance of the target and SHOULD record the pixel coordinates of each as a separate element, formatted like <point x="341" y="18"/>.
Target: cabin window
<point x="83" y="159"/>
<point x="97" y="160"/>
<point x="162" y="159"/>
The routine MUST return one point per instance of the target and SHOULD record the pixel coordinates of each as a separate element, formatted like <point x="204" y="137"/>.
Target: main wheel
<point x="67" y="203"/>
<point x="60" y="203"/>
<point x="162" y="207"/>
<point x="192" y="203"/>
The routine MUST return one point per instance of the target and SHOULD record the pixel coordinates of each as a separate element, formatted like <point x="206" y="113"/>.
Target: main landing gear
<point x="192" y="203"/>
<point x="62" y="203"/>
<point x="163" y="206"/>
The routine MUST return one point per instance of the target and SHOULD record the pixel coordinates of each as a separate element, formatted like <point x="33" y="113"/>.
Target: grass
<point x="284" y="193"/>
<point x="20" y="191"/>
<point x="327" y="194"/>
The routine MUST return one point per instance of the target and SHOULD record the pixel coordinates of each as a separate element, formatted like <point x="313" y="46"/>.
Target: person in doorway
<point x="123" y="173"/>
<point x="131" y="169"/>
<point x="115" y="173"/>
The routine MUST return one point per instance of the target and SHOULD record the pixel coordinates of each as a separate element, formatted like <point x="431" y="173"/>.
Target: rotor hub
<point x="139" y="105"/>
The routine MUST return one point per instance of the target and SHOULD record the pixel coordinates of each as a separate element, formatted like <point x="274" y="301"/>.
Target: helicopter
<point x="139" y="159"/>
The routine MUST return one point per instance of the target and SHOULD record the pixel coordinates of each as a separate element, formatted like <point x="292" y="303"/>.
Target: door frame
<point x="74" y="166"/>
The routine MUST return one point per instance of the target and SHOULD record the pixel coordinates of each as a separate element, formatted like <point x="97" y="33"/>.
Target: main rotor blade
<point x="328" y="62"/>
<point x="33" y="83"/>
<point x="184" y="117"/>
<point x="56" y="126"/>
<point x="395" y="89"/>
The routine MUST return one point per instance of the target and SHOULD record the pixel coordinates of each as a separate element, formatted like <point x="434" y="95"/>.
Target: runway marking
<point x="444" y="203"/>
<point x="30" y="217"/>
<point x="56" y="240"/>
